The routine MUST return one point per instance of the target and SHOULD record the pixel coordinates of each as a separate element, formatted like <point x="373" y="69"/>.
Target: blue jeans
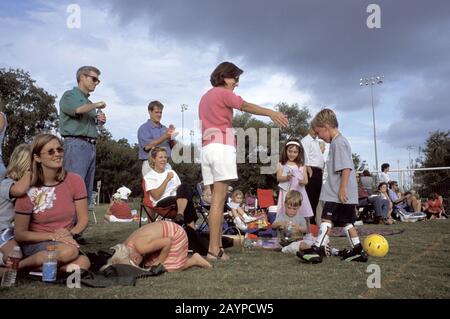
<point x="381" y="206"/>
<point x="79" y="158"/>
<point x="2" y="169"/>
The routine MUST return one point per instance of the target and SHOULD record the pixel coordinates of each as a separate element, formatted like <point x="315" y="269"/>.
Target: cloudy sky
<point x="310" y="52"/>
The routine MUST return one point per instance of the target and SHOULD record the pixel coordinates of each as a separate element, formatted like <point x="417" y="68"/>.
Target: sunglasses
<point x="236" y="78"/>
<point x="53" y="151"/>
<point x="94" y="78"/>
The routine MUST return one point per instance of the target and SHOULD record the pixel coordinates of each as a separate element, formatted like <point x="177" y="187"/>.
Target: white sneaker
<point x="292" y="248"/>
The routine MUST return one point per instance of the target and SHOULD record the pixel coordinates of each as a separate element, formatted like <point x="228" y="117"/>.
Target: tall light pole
<point x="184" y="107"/>
<point x="191" y="133"/>
<point x="409" y="148"/>
<point x="372" y="81"/>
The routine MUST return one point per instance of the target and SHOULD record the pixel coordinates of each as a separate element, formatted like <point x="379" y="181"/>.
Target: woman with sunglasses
<point x="218" y="143"/>
<point x="45" y="216"/>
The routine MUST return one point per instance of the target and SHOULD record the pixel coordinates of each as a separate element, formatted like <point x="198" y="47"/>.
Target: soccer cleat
<point x="313" y="255"/>
<point x="355" y="254"/>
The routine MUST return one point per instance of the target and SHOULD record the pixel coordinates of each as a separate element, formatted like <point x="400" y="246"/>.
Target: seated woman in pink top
<point x="218" y="143"/>
<point x="45" y="216"/>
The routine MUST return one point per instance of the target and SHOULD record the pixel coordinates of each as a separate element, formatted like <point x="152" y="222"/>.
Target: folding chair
<point x="201" y="207"/>
<point x="365" y="211"/>
<point x="265" y="198"/>
<point x="154" y="213"/>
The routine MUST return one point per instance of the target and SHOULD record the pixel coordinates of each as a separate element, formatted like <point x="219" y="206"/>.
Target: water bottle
<point x="50" y="265"/>
<point x="288" y="233"/>
<point x="12" y="266"/>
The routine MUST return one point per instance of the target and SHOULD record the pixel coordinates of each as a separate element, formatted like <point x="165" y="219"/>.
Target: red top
<point x="52" y="207"/>
<point x="435" y="205"/>
<point x="121" y="210"/>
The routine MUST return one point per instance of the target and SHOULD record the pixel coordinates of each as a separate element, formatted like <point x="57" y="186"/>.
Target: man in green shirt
<point x="78" y="125"/>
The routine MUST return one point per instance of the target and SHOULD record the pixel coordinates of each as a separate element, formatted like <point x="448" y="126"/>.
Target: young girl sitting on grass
<point x="118" y="211"/>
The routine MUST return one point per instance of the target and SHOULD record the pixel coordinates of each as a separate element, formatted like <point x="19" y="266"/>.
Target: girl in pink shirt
<point x="218" y="143"/>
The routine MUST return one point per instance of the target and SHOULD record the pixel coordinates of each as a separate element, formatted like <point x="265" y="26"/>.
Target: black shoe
<point x="355" y="254"/>
<point x="179" y="219"/>
<point x="313" y="255"/>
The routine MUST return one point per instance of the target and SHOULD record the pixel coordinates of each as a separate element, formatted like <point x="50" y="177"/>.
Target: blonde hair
<point x="293" y="198"/>
<point x="324" y="117"/>
<point x="36" y="168"/>
<point x="237" y="192"/>
<point x="19" y="162"/>
<point x="121" y="255"/>
<point x="152" y="155"/>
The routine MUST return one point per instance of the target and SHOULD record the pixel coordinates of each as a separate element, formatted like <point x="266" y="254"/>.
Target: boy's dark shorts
<point x="340" y="214"/>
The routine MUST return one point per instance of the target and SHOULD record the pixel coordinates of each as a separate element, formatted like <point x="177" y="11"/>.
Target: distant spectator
<point x="384" y="176"/>
<point x="435" y="207"/>
<point x="118" y="211"/>
<point x="367" y="181"/>
<point x="124" y="192"/>
<point x="408" y="201"/>
<point x="382" y="205"/>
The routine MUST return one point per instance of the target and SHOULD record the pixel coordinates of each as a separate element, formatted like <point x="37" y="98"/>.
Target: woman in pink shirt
<point x="218" y="143"/>
<point x="45" y="216"/>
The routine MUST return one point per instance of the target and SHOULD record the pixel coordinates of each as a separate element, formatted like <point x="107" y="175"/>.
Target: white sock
<point x="353" y="240"/>
<point x="323" y="238"/>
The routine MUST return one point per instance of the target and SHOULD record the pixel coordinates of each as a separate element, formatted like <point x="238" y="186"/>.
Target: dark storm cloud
<point x="326" y="45"/>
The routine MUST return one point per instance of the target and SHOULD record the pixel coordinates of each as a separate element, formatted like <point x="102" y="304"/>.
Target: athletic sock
<point x="323" y="237"/>
<point x="353" y="240"/>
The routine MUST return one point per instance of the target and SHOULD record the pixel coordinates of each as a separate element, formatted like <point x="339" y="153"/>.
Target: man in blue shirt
<point x="152" y="133"/>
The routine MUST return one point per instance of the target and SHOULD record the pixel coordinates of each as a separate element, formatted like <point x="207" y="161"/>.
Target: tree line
<point x="31" y="110"/>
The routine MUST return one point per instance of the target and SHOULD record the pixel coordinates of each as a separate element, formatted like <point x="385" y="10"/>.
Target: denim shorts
<point x="6" y="235"/>
<point x="31" y="249"/>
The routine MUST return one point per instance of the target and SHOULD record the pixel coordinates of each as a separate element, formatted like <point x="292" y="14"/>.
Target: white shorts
<point x="218" y="163"/>
<point x="114" y="219"/>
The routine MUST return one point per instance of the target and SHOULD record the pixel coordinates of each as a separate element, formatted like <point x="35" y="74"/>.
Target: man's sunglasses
<point x="53" y="151"/>
<point x="94" y="78"/>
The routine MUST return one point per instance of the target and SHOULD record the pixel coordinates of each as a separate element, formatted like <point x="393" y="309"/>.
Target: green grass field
<point x="417" y="266"/>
